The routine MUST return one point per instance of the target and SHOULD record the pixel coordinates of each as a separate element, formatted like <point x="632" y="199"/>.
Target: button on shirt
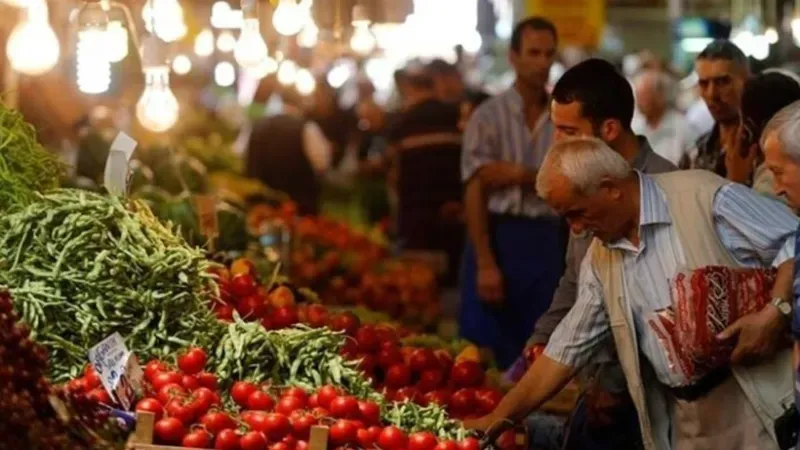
<point x="498" y="131"/>
<point x="757" y="231"/>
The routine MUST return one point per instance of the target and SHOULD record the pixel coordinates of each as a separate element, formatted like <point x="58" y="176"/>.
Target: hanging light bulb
<point x="309" y="36"/>
<point x="157" y="109"/>
<point x="287" y="72"/>
<point x="289" y="17"/>
<point x="117" y="41"/>
<point x="181" y="64"/>
<point x="267" y="66"/>
<point x="33" y="47"/>
<point x="362" y="41"/>
<point x="305" y="82"/>
<point x="204" y="43"/>
<point x="164" y="18"/>
<point x="93" y="68"/>
<point x="226" y="42"/>
<point x="225" y="74"/>
<point x="250" y="49"/>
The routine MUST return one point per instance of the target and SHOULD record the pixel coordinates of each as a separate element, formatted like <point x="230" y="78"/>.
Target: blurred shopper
<point x="338" y="125"/>
<point x="593" y="99"/>
<point x="657" y="119"/>
<point x="764" y="95"/>
<point x="696" y="389"/>
<point x="471" y="101"/>
<point x="448" y="80"/>
<point x="780" y="141"/>
<point x="289" y="153"/>
<point x="515" y="251"/>
<point x="425" y="148"/>
<point x="722" y="71"/>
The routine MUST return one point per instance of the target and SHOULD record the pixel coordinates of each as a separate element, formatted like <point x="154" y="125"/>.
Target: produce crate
<point x="142" y="438"/>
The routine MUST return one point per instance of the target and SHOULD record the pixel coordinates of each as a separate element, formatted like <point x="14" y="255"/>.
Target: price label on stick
<point x="115" y="177"/>
<point x="118" y="369"/>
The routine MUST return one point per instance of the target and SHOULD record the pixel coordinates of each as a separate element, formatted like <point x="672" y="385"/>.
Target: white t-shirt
<point x="671" y="139"/>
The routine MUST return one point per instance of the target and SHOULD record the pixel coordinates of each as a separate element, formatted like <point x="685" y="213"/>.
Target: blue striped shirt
<point x="498" y="131"/>
<point x="756" y="230"/>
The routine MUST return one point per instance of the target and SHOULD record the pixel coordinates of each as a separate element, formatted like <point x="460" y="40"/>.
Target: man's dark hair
<point x="476" y="97"/>
<point x="441" y="67"/>
<point x="535" y="23"/>
<point x="762" y="98"/>
<point x="601" y="90"/>
<point x="420" y="79"/>
<point x="725" y="50"/>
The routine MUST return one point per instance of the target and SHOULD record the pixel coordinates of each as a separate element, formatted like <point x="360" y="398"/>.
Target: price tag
<point x="125" y="144"/>
<point x="118" y="369"/>
<point x="115" y="177"/>
<point x="207" y="215"/>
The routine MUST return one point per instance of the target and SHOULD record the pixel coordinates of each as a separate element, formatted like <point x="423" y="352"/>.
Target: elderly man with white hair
<point x="648" y="229"/>
<point x="780" y="142"/>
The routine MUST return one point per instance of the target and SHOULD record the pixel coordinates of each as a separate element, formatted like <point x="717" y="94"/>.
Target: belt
<point x="703" y="386"/>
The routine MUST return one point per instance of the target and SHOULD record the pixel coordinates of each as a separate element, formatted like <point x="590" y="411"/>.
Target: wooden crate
<point x="142" y="438"/>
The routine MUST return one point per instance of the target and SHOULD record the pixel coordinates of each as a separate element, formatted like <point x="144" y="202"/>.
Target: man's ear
<point x="611" y="186"/>
<point x="610" y="130"/>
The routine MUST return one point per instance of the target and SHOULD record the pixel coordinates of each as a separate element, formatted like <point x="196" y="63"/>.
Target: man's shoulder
<point x="658" y="164"/>
<point x="487" y="111"/>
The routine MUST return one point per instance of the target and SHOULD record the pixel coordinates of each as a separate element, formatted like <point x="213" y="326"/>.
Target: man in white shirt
<point x="656" y="119"/>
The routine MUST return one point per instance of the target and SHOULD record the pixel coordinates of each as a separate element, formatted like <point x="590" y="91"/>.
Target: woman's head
<point x="764" y="95"/>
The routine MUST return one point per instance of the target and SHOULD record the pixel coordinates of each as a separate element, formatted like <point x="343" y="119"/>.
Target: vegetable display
<point x="82" y="265"/>
<point x="25" y="166"/>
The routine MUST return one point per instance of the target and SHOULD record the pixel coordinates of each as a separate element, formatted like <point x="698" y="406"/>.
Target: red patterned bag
<point x="705" y="302"/>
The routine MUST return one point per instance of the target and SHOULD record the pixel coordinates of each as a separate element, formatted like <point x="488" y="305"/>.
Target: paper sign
<point x="125" y="144"/>
<point x="207" y="215"/>
<point x="115" y="177"/>
<point x="118" y="369"/>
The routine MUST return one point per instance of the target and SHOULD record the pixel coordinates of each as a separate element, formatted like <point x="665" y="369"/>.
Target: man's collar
<point x="640" y="162"/>
<point x="653" y="208"/>
<point x="515" y="100"/>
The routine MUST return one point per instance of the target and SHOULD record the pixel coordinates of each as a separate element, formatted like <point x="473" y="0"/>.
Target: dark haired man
<point x="594" y="99"/>
<point x="448" y="80"/>
<point x="515" y="251"/>
<point x="722" y="70"/>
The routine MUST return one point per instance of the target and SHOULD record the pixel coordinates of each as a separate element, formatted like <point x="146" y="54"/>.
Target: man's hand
<point x="739" y="164"/>
<point x="758" y="335"/>
<point x="501" y="174"/>
<point x="482" y="424"/>
<point x="490" y="283"/>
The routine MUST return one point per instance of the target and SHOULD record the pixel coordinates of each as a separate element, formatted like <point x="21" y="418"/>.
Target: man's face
<point x="597" y="213"/>
<point x="721" y="84"/>
<point x="535" y="57"/>
<point x="569" y="120"/>
<point x="649" y="100"/>
<point x="785" y="169"/>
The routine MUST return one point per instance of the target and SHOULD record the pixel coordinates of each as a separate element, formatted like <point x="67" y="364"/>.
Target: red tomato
<point x="325" y="396"/>
<point x="301" y="424"/>
<point x="197" y="439"/>
<point x="153" y="368"/>
<point x="217" y="421"/>
<point x="251" y="307"/>
<point x="284" y="317"/>
<point x="180" y="409"/>
<point x="208" y="380"/>
<point x="91" y="377"/>
<point x="346" y="322"/>
<point x="407" y="394"/>
<point x="392" y="438"/>
<point x="386" y="334"/>
<point x="227" y="440"/>
<point x="170" y="391"/>
<point x="367" y="339"/>
<point x="162" y="379"/>
<point x="320" y="412"/>
<point x="301" y="445"/>
<point x="370" y="412"/>
<point x="440" y="397"/>
<point x="467" y="374"/>
<point x="76" y="385"/>
<point x="469" y="444"/>
<point x="190" y="382"/>
<point x="289" y="404"/>
<point x="447" y="445"/>
<point x="203" y="399"/>
<point x="277" y="426"/>
<point x="487" y="400"/>
<point x="463" y="400"/>
<point x="350" y="349"/>
<point x="343" y="432"/>
<point x="313" y="401"/>
<point x="423" y="359"/>
<point x="224" y="313"/>
<point x="169" y="431"/>
<point x="507" y="440"/>
<point x="399" y="375"/>
<point x="344" y="407"/>
<point x="240" y="392"/>
<point x="99" y="395"/>
<point x="243" y="285"/>
<point x="388" y="356"/>
<point x="260" y="401"/>
<point x="193" y="361"/>
<point x="367" y="363"/>
<point x="365" y="439"/>
<point x="422" y="441"/>
<point x="317" y="316"/>
<point x="430" y="379"/>
<point x="296" y="392"/>
<point x="253" y="441"/>
<point x="256" y="420"/>
<point x="151" y="405"/>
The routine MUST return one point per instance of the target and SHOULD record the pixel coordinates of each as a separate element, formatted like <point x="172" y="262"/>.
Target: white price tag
<point x="115" y="177"/>
<point x="125" y="144"/>
<point x="118" y="369"/>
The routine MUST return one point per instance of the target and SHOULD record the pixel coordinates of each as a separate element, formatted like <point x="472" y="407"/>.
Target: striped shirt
<point x="498" y="131"/>
<point x="757" y="231"/>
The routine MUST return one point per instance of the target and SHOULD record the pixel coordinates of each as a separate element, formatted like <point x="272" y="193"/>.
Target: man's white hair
<point x="584" y="161"/>
<point x="785" y="125"/>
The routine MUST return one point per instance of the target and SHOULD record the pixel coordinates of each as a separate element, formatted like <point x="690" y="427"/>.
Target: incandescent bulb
<point x="289" y="17"/>
<point x="33" y="47"/>
<point x="204" y="43"/>
<point x="305" y="82"/>
<point x="117" y="36"/>
<point x="181" y="64"/>
<point x="771" y="34"/>
<point x="309" y="36"/>
<point x="267" y="66"/>
<point x="362" y="42"/>
<point x="250" y="49"/>
<point x="225" y="74"/>
<point x="287" y="72"/>
<point x="226" y="42"/>
<point x="157" y="109"/>
<point x="164" y="18"/>
<point x="92" y="65"/>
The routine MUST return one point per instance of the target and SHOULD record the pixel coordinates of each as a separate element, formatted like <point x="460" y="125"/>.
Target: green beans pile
<point x="414" y="418"/>
<point x="25" y="166"/>
<point x="81" y="266"/>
